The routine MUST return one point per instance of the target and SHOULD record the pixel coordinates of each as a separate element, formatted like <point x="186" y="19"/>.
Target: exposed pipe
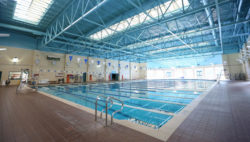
<point x="210" y="20"/>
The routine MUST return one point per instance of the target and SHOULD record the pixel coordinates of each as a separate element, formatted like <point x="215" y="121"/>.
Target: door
<point x="68" y="77"/>
<point x="117" y="77"/>
<point x="84" y="77"/>
<point x="90" y="77"/>
<point x="0" y="75"/>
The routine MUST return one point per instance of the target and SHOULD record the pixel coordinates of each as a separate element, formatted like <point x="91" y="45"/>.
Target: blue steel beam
<point x="68" y="18"/>
<point x="93" y="22"/>
<point x="203" y="50"/>
<point x="200" y="37"/>
<point x="200" y="41"/>
<point x="206" y="29"/>
<point x="174" y="17"/>
<point x="219" y="23"/>
<point x="187" y="56"/>
<point x="210" y="20"/>
<point x="237" y="15"/>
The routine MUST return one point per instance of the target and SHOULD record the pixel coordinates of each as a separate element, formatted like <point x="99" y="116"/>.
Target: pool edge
<point x="163" y="133"/>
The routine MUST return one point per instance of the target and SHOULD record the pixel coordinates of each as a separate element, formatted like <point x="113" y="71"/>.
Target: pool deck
<point x="32" y="117"/>
<point x="223" y="115"/>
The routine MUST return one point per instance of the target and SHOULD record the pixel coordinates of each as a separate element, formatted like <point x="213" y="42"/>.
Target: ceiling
<point x="201" y="27"/>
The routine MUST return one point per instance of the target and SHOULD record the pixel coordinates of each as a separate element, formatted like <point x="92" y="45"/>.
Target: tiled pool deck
<point x="223" y="115"/>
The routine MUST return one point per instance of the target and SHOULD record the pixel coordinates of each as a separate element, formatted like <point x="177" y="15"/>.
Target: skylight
<point x="157" y="12"/>
<point x="31" y="11"/>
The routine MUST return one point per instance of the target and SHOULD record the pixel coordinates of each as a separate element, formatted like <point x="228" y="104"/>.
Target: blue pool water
<point x="151" y="103"/>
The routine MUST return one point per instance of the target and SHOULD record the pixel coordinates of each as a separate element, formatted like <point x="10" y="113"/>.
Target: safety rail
<point x="107" y="100"/>
<point x="111" y="104"/>
<point x="218" y="77"/>
<point x="112" y="116"/>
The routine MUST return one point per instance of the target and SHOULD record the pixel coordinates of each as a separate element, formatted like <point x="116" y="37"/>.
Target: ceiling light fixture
<point x="15" y="60"/>
<point x="4" y="35"/>
<point x="3" y="49"/>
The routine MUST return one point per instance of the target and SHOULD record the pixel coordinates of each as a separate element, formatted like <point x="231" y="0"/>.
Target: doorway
<point x="84" y="77"/>
<point x="0" y="76"/>
<point x="115" y="76"/>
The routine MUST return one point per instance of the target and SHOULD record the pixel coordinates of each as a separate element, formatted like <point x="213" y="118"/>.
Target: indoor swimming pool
<point x="151" y="103"/>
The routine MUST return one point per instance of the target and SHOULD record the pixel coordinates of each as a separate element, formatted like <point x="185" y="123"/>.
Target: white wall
<point x="245" y="56"/>
<point x="112" y="68"/>
<point x="124" y="70"/>
<point x="37" y="63"/>
<point x="6" y="65"/>
<point x="232" y="65"/>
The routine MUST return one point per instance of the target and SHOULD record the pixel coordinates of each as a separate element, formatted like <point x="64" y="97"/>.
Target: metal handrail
<point x="112" y="116"/>
<point x="107" y="107"/>
<point x="111" y="104"/>
<point x="218" y="78"/>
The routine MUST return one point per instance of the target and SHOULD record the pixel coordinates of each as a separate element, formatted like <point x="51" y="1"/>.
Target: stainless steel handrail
<point x="106" y="107"/>
<point x="111" y="104"/>
<point x="112" y="116"/>
<point x="108" y="99"/>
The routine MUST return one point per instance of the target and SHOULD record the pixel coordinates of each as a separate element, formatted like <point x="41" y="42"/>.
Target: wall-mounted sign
<point x="59" y="74"/>
<point x="98" y="62"/>
<point x="53" y="58"/>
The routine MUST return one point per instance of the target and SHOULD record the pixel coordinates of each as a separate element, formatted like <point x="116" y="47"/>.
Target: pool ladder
<point x="107" y="100"/>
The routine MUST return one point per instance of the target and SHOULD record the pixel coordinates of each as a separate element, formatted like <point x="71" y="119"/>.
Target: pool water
<point x="151" y="103"/>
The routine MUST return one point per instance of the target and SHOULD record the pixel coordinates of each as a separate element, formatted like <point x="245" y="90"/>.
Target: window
<point x="156" y="12"/>
<point x="31" y="11"/>
<point x="168" y="74"/>
<point x="199" y="73"/>
<point x="14" y="75"/>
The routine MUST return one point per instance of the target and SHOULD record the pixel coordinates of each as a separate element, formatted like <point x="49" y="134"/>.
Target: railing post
<point x="112" y="115"/>
<point x="96" y="109"/>
<point x="111" y="120"/>
<point x="106" y="122"/>
<point x="107" y="108"/>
